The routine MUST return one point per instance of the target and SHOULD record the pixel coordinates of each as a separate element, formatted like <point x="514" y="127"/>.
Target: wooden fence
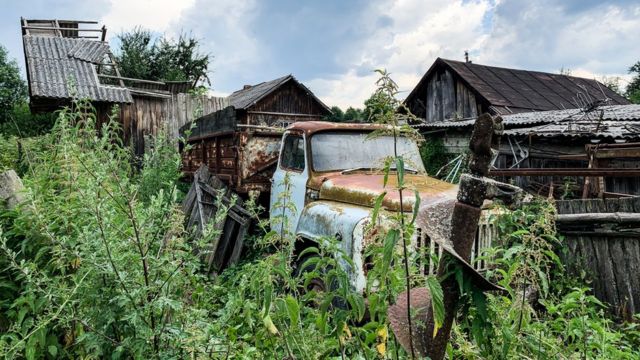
<point x="147" y="115"/>
<point x="604" y="243"/>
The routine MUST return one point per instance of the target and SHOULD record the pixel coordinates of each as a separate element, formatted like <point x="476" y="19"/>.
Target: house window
<point x="293" y="153"/>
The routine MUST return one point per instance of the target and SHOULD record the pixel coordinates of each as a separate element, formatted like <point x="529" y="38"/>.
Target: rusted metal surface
<point x="362" y="189"/>
<point x="322" y="219"/>
<point x="242" y="157"/>
<point x="311" y="127"/>
<point x="207" y="200"/>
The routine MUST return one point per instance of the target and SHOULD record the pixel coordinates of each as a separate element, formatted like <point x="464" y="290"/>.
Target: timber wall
<point x="146" y="116"/>
<point x="609" y="254"/>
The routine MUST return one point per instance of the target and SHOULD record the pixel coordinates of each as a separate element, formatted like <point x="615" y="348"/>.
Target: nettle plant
<point x="97" y="256"/>
<point x="544" y="313"/>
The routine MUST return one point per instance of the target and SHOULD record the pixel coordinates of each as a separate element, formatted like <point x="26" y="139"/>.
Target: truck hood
<point x="363" y="189"/>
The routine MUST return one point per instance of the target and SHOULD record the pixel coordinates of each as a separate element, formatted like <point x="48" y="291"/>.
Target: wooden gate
<point x="602" y="238"/>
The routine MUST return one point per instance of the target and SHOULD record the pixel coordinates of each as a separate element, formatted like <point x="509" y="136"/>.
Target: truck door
<point x="292" y="163"/>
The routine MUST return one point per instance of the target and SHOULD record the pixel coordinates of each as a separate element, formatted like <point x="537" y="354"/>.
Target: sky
<point x="333" y="46"/>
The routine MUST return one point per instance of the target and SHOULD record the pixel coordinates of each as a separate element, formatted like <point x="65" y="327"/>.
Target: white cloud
<point x="156" y="15"/>
<point x="592" y="41"/>
<point x="419" y="32"/>
<point x="225" y="32"/>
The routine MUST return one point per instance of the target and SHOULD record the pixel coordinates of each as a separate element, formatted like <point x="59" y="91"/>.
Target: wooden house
<point x="454" y="90"/>
<point x="569" y="153"/>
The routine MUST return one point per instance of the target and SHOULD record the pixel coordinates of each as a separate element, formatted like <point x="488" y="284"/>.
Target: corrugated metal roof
<point x="616" y="122"/>
<point x="517" y="90"/>
<point x="607" y="112"/>
<point x="58" y="65"/>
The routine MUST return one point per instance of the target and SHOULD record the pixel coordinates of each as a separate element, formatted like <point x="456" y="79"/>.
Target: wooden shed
<point x="455" y="90"/>
<point x="278" y="103"/>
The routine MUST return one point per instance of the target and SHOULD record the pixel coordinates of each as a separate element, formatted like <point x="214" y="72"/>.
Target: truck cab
<point x="328" y="176"/>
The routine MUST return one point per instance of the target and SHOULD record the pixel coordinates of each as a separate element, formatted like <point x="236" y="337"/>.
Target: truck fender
<point x="322" y="219"/>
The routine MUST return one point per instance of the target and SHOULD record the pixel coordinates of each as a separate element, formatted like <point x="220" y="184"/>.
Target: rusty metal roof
<point x="58" y="65"/>
<point x="514" y="91"/>
<point x="250" y="95"/>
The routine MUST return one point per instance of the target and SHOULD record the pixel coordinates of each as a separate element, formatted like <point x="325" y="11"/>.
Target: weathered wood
<point x="448" y="96"/>
<point x="614" y="217"/>
<point x="204" y="202"/>
<point x="610" y="258"/>
<point x="431" y="101"/>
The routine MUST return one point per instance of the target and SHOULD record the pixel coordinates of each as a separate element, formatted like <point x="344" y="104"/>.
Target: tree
<point x="633" y="89"/>
<point x="13" y="90"/>
<point x="337" y="115"/>
<point x="144" y="56"/>
<point x="613" y="83"/>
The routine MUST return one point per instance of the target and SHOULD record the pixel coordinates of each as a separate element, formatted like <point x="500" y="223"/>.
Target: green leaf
<point x="268" y="293"/>
<point x="387" y="253"/>
<point x="309" y="250"/>
<point x="437" y="302"/>
<point x="416" y="206"/>
<point x="400" y="170"/>
<point x="376" y="207"/>
<point x="480" y="302"/>
<point x="386" y="170"/>
<point x="357" y="303"/>
<point x="293" y="308"/>
<point x="53" y="350"/>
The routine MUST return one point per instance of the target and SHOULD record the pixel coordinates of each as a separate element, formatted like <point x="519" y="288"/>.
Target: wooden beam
<point x="118" y="77"/>
<point x="608" y="172"/>
<point x="616" y="217"/>
<point x="58" y="28"/>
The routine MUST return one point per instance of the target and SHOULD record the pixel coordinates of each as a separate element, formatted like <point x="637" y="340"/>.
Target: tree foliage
<point x="142" y="55"/>
<point x="633" y="89"/>
<point x="13" y="90"/>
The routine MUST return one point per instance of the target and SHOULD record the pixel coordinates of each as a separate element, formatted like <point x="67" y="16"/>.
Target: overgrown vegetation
<point x="434" y="155"/>
<point x="96" y="263"/>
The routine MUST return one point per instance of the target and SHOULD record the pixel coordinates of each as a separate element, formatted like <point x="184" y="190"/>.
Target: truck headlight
<point x="311" y="195"/>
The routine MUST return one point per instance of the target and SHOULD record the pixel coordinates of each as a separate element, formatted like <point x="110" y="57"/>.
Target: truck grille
<point x="429" y="250"/>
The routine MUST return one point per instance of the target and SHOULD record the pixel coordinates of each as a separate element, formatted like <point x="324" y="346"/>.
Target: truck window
<point x="293" y="153"/>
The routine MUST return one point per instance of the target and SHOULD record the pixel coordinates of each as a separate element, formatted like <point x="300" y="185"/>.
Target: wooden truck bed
<point x="242" y="156"/>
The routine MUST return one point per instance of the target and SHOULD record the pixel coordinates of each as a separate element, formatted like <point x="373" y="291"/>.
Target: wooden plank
<point x="448" y="96"/>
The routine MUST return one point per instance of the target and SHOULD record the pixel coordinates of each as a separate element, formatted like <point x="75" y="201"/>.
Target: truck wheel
<point x="317" y="284"/>
<point x="303" y="266"/>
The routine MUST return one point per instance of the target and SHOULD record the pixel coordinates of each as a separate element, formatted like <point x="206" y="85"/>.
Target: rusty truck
<point x="333" y="178"/>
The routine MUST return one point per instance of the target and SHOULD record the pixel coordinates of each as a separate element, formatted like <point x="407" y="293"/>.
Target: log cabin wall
<point x="448" y="98"/>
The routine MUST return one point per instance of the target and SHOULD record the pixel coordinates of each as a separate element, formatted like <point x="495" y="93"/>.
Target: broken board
<point x="214" y="211"/>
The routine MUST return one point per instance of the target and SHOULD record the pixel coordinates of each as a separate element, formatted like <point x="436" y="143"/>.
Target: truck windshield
<point x="334" y="151"/>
